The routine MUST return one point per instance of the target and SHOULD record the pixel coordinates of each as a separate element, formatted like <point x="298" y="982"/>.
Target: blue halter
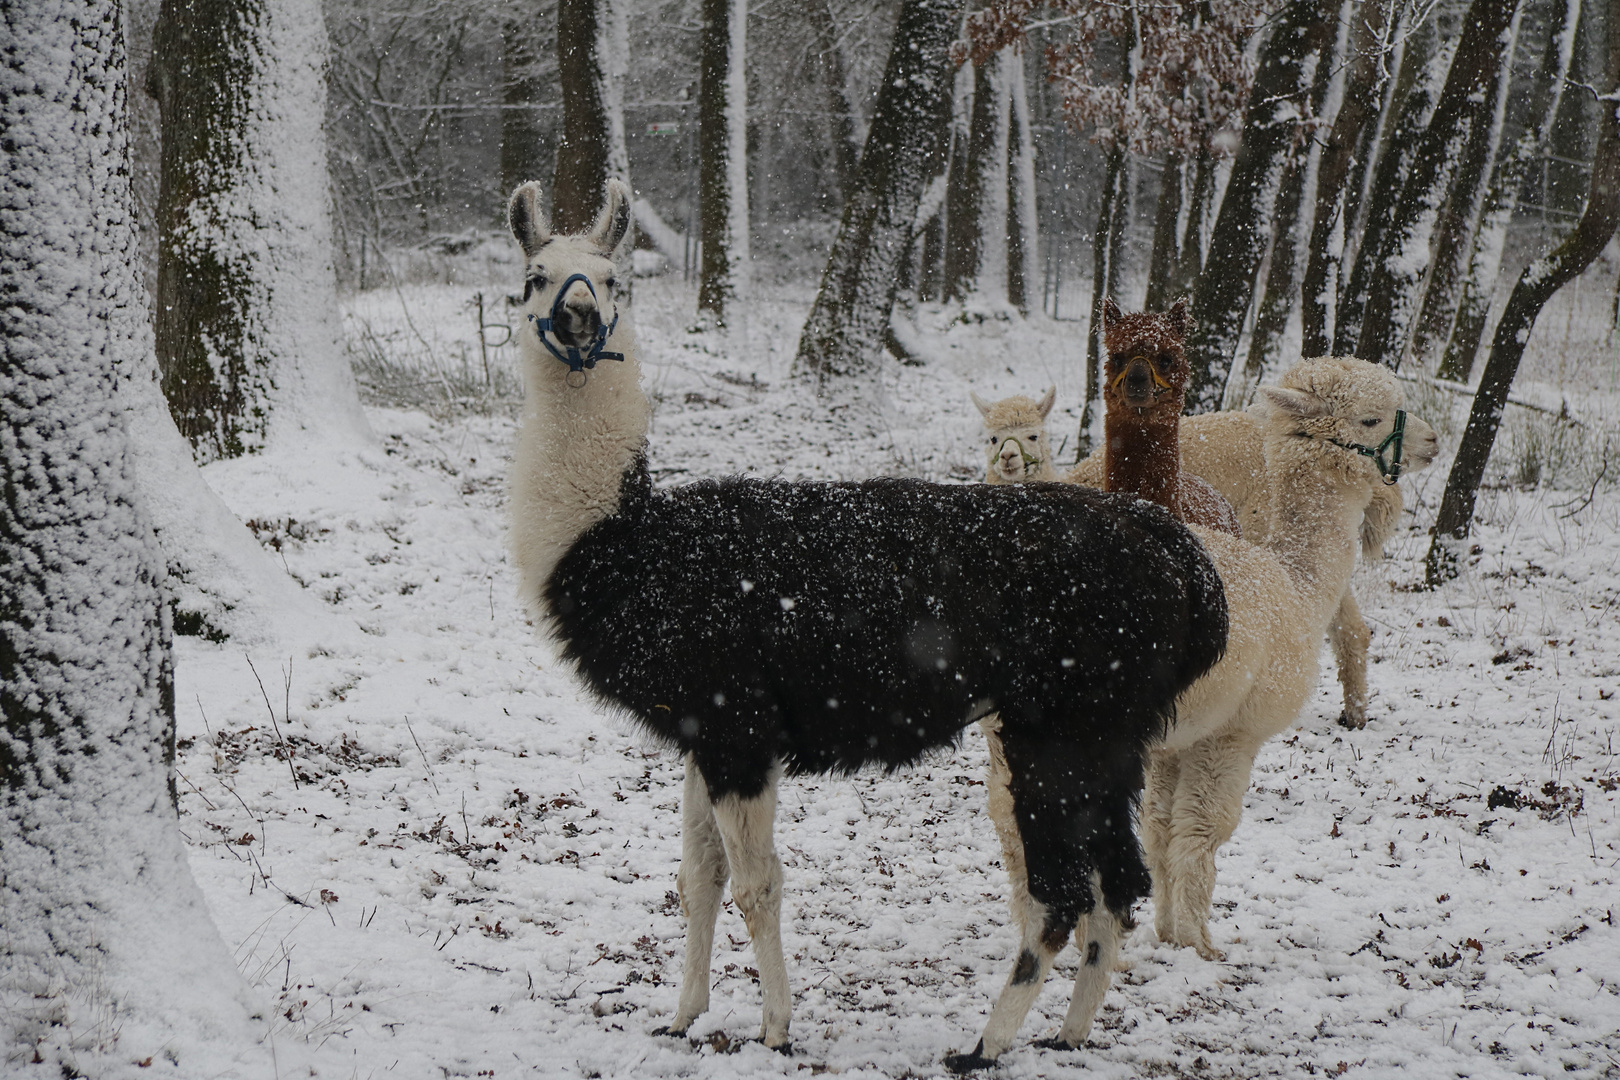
<point x="574" y="358"/>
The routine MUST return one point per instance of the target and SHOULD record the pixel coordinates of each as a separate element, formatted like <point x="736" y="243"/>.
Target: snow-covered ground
<point x="494" y="857"/>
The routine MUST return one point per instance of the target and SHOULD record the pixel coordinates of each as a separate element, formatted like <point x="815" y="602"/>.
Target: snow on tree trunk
<point x="904" y="145"/>
<point x="1401" y="258"/>
<point x="975" y="247"/>
<point x="526" y="140"/>
<point x="1304" y="30"/>
<point x="592" y="51"/>
<point x="1023" y="235"/>
<point x="1113" y="208"/>
<point x="1166" y="254"/>
<point x="1474" y="305"/>
<point x="1540" y="280"/>
<point x="248" y="334"/>
<point x="1336" y="172"/>
<point x="110" y="957"/>
<point x="1406" y="116"/>
<point x="723" y="154"/>
<point x="1460" y="221"/>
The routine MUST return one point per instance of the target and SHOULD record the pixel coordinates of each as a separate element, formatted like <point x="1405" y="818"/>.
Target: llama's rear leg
<point x="701" y="880"/>
<point x="1097" y="937"/>
<point x="1209" y="805"/>
<point x="746" y="825"/>
<point x="1042" y="939"/>
<point x="1158" y="810"/>
<point x="1349" y="636"/>
<point x="1005" y="818"/>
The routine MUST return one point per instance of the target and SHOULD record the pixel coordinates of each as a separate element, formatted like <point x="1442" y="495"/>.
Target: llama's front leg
<point x="1097" y="937"/>
<point x="1209" y="805"/>
<point x="1158" y="809"/>
<point x="701" y="879"/>
<point x="1043" y="938"/>
<point x="1349" y="636"/>
<point x="746" y="825"/>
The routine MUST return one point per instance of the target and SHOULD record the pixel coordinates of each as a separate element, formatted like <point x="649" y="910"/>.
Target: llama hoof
<point x="674" y="1031"/>
<point x="1053" y="1044"/>
<point x="1209" y="952"/>
<point x="970" y="1061"/>
<point x="1354" y="723"/>
<point x="784" y="1048"/>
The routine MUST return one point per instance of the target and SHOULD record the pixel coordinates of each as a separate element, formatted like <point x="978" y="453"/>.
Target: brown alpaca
<point x="1145" y="384"/>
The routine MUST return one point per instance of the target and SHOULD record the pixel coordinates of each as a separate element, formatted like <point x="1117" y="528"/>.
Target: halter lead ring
<point x="578" y="361"/>
<point x="1390" y="470"/>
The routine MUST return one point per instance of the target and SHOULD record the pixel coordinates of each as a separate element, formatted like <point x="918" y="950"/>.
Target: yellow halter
<point x="1158" y="379"/>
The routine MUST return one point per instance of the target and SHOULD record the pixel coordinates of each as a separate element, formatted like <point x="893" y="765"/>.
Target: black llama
<point x="763" y="625"/>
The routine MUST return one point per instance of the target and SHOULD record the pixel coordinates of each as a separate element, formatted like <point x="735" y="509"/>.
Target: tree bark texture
<point x="248" y="335"/>
<point x="905" y="147"/>
<point x="1277" y="297"/>
<point x="1335" y="173"/>
<point x="976" y="204"/>
<point x="1023" y="233"/>
<point x="840" y="110"/>
<point x="1460" y="220"/>
<point x="591" y="48"/>
<point x="1412" y="100"/>
<point x="1113" y="208"/>
<point x="722" y="154"/>
<point x="103" y="923"/>
<point x="526" y="139"/>
<point x="1238" y="242"/>
<point x="1535" y="287"/>
<point x="1166" y="254"/>
<point x="1479" y="285"/>
<point x="1401" y="258"/>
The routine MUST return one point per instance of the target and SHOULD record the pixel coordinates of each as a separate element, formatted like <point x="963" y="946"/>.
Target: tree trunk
<point x="1536" y="286"/>
<point x="1113" y="206"/>
<point x="591" y="49"/>
<point x="905" y="146"/>
<point x="1277" y="298"/>
<point x="1166" y="256"/>
<point x="1023" y="234"/>
<point x="1474" y="306"/>
<point x="1402" y="254"/>
<point x="1459" y="222"/>
<point x="722" y="154"/>
<point x="526" y="142"/>
<point x="976" y="211"/>
<point x="110" y="955"/>
<point x="840" y="110"/>
<point x="1336" y="173"/>
<point x="1238" y="243"/>
<point x="1198" y="210"/>
<point x="1412" y="99"/>
<point x="248" y="335"/>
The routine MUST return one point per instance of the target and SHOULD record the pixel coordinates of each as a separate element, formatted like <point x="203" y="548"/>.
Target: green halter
<point x="1030" y="460"/>
<point x="1390" y="470"/>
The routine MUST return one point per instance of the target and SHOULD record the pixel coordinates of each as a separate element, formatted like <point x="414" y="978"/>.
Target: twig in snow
<point x="419" y="750"/>
<point x="277" y="727"/>
<point x="1603" y="473"/>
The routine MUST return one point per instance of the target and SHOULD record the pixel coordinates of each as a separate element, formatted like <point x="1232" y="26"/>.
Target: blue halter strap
<point x="576" y="359"/>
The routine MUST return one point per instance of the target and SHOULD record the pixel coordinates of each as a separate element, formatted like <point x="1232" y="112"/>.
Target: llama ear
<point x="1180" y="314"/>
<point x="1111" y="312"/>
<point x="527" y="220"/>
<point x="1045" y="404"/>
<point x="613" y="223"/>
<point x="1298" y="403"/>
<point x="983" y="405"/>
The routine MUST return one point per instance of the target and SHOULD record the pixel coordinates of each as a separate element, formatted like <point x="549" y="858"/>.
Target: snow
<point x="495" y="857"/>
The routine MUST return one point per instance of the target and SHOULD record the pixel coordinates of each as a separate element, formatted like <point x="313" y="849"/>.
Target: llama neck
<point x="574" y="448"/>
<point x="1141" y="455"/>
<point x="1315" y="518"/>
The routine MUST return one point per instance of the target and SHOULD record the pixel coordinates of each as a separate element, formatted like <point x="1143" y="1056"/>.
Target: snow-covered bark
<point x="1401" y="258"/>
<point x="592" y="52"/>
<point x="904" y="145"/>
<point x="1540" y="280"/>
<point x="1304" y="31"/>
<point x="1023" y="232"/>
<point x="248" y="335"/>
<point x="723" y="154"/>
<point x="109" y="963"/>
<point x="975" y="226"/>
<point x="525" y="136"/>
<point x="1479" y="284"/>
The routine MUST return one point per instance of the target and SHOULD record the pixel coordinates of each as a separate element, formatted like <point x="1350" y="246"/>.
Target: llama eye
<point x="1032" y="438"/>
<point x="1374" y="422"/>
<point x="1166" y="360"/>
<point x="612" y="283"/>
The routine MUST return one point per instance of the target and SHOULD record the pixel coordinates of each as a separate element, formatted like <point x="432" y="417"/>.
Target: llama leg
<point x="1209" y="804"/>
<point x="756" y="887"/>
<point x="1005" y="819"/>
<point x="700" y="881"/>
<point x="1097" y="937"/>
<point x="1042" y="939"/>
<point x="1164" y="771"/>
<point x="1349" y="636"/>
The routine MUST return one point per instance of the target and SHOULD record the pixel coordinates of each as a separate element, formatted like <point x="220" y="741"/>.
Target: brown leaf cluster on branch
<point x="1148" y="76"/>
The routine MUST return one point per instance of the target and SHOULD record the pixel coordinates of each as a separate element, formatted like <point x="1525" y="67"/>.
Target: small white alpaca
<point x="1019" y="448"/>
<point x="1226" y="450"/>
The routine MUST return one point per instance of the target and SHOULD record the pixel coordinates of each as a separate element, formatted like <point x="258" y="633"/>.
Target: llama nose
<point x="579" y="317"/>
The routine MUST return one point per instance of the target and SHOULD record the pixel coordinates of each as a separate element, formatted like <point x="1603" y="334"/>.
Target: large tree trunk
<point x="722" y="154"/>
<point x="1402" y="255"/>
<point x="591" y="48"/>
<point x="1166" y="253"/>
<point x="1479" y="286"/>
<point x="1336" y="172"/>
<point x="248" y="335"/>
<point x="904" y="148"/>
<point x="1277" y="298"/>
<point x="1113" y="207"/>
<point x="1536" y="286"/>
<point x="526" y="141"/>
<point x="1460" y="220"/>
<point x="976" y="203"/>
<point x="1304" y="29"/>
<point x="1023" y="232"/>
<point x="840" y="110"/>
<point x="110" y="955"/>
<point x="1412" y="101"/>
